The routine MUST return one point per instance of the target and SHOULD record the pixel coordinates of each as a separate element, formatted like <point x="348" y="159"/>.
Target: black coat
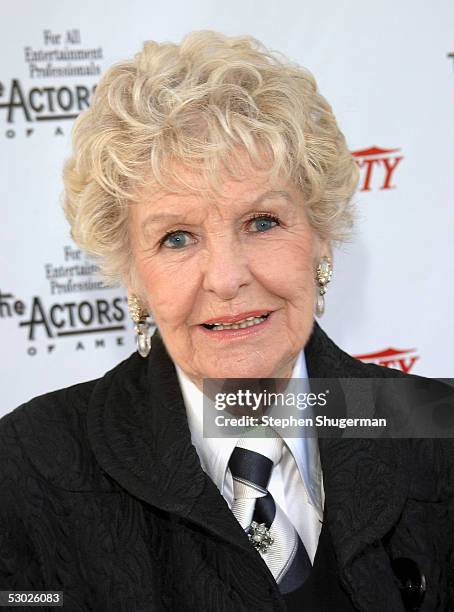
<point x="102" y="496"/>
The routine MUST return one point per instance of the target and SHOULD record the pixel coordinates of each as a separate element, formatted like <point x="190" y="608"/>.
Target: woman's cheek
<point x="283" y="268"/>
<point x="171" y="294"/>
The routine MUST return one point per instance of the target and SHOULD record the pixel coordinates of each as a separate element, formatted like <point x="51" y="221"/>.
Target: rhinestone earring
<point x="323" y="276"/>
<point x="139" y="315"/>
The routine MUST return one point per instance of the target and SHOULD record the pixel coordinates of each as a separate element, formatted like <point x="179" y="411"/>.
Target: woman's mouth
<point x="242" y="324"/>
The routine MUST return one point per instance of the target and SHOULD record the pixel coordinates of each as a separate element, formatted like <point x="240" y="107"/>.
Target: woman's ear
<point x="134" y="288"/>
<point x="323" y="249"/>
<point x="136" y="297"/>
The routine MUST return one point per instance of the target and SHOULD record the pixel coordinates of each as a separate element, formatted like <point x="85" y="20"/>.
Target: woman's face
<point x="245" y="260"/>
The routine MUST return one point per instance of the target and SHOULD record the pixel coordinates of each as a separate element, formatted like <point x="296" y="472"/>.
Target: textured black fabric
<point x="322" y="591"/>
<point x="102" y="496"/>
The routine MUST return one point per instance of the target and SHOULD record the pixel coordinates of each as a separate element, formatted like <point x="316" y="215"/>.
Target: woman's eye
<point x="263" y="224"/>
<point x="176" y="240"/>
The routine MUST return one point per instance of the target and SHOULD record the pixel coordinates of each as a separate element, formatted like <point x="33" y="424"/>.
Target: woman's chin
<point x="242" y="372"/>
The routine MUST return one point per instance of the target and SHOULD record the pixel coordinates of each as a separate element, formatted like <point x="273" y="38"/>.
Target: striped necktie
<point x="268" y="527"/>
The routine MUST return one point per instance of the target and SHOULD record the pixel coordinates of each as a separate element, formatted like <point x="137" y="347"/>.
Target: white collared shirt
<point x="296" y="481"/>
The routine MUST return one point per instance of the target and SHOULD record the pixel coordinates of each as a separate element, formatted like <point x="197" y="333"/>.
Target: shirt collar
<point x="214" y="453"/>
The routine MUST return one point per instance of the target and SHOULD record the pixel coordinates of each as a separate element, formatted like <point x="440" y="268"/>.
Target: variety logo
<point x="400" y="359"/>
<point x="23" y="105"/>
<point x="378" y="167"/>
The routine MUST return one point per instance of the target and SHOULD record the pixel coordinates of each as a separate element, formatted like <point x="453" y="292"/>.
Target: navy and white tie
<point x="268" y="527"/>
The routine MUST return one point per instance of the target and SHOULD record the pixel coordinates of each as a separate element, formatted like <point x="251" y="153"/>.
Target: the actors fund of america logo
<point x="64" y="319"/>
<point x="56" y="85"/>
<point x="377" y="167"/>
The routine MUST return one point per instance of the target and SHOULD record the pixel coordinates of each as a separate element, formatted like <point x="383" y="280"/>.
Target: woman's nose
<point x="226" y="269"/>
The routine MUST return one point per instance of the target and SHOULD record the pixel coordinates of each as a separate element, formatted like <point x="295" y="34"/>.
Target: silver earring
<point x="323" y="276"/>
<point x="139" y="315"/>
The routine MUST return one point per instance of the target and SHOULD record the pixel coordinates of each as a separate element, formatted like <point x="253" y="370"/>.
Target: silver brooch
<point x="260" y="537"/>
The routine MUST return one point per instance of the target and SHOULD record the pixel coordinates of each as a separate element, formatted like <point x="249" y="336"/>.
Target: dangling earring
<point x="323" y="276"/>
<point x="139" y="315"/>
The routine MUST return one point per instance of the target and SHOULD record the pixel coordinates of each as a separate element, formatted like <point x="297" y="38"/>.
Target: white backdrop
<point x="388" y="70"/>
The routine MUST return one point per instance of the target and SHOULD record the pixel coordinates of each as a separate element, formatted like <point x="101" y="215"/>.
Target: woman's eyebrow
<point x="273" y="194"/>
<point x="160" y="218"/>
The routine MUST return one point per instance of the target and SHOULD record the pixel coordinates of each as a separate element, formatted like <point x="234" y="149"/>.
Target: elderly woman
<point x="211" y="179"/>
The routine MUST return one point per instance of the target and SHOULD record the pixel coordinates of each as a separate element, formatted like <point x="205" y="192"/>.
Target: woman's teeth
<point x="249" y="322"/>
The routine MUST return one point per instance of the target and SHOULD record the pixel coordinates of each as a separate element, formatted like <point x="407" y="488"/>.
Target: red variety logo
<point x="378" y="167"/>
<point x="403" y="359"/>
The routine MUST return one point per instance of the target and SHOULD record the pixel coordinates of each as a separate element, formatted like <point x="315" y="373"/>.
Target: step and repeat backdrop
<point x="387" y="68"/>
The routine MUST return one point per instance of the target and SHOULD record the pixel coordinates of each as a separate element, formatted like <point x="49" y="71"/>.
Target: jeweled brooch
<point x="260" y="537"/>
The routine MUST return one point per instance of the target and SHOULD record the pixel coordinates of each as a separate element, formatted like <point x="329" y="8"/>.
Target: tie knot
<point x="265" y="442"/>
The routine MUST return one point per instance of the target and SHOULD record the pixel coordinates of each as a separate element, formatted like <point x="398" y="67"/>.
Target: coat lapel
<point x="366" y="484"/>
<point x="138" y="430"/>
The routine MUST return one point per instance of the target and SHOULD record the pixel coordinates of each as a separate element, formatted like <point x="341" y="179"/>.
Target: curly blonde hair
<point x="202" y="103"/>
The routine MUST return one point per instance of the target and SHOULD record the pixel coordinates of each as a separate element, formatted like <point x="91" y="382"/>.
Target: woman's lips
<point x="225" y="334"/>
<point x="235" y="318"/>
